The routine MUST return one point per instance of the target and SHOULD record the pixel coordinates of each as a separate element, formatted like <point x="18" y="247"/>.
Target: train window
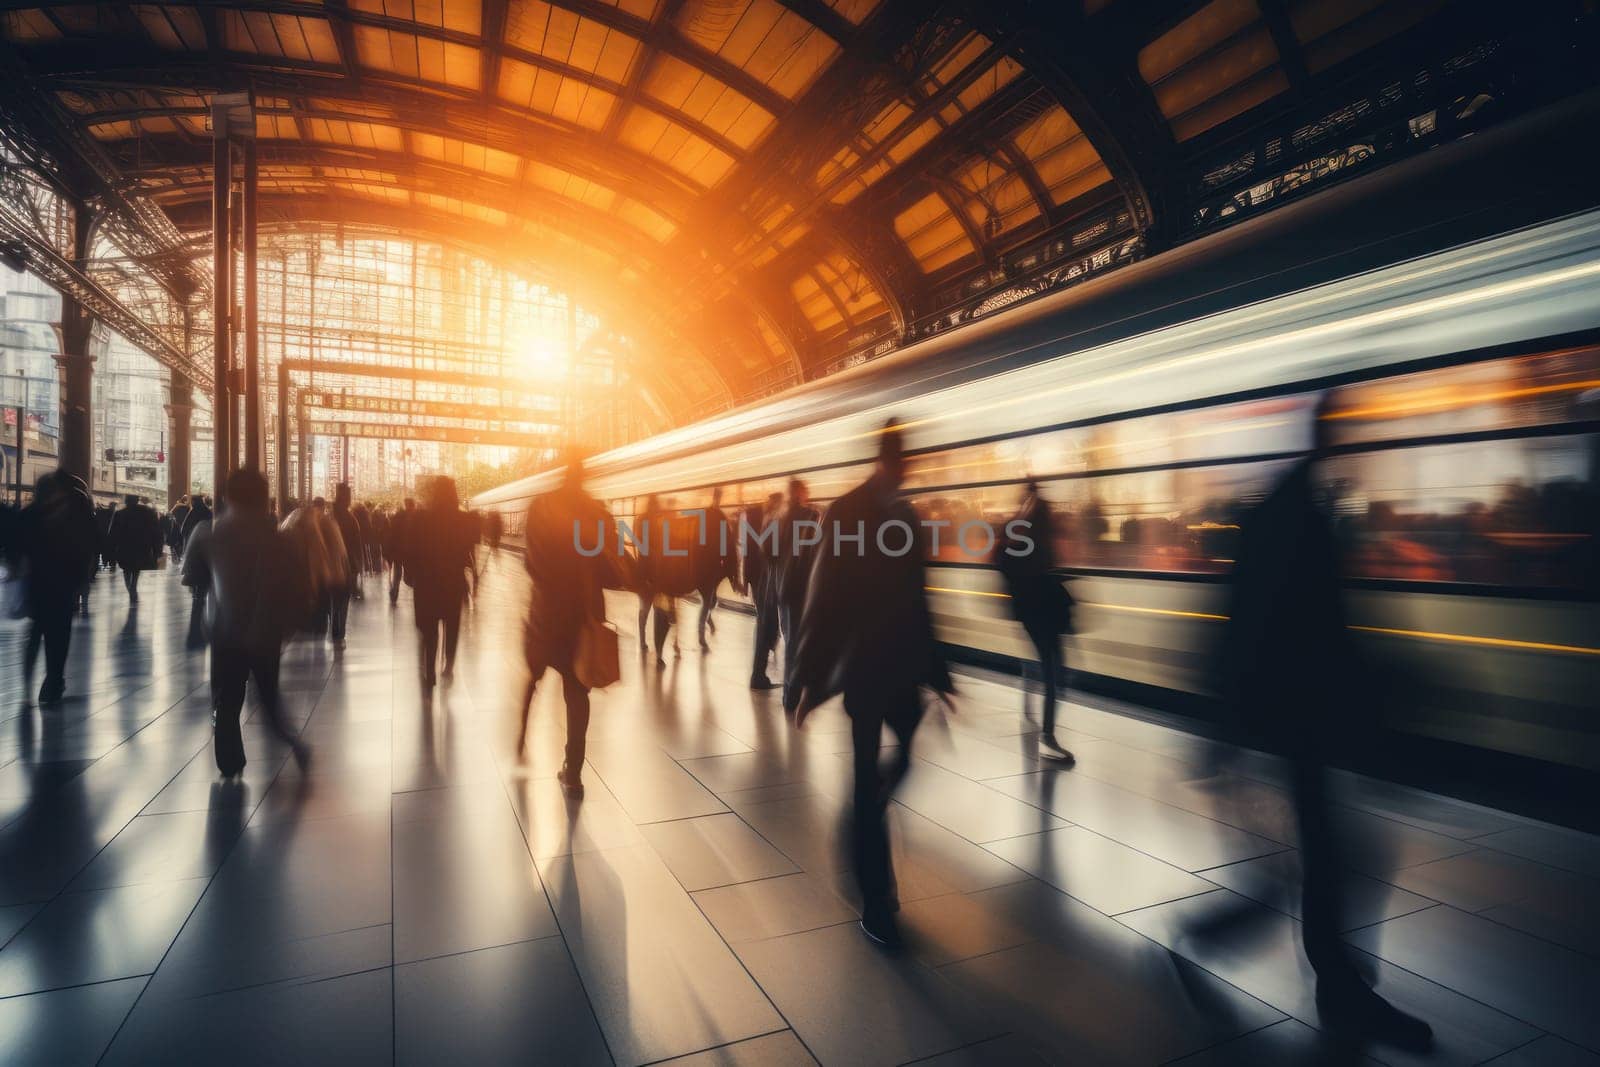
<point x="1182" y="520"/>
<point x="827" y="486"/>
<point x="1502" y="394"/>
<point x="1513" y="513"/>
<point x="1255" y="428"/>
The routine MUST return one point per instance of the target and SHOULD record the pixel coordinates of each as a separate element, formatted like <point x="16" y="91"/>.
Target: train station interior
<point x="1231" y="368"/>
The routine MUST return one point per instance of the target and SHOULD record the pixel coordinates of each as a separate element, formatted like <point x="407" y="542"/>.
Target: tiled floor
<point x="420" y="895"/>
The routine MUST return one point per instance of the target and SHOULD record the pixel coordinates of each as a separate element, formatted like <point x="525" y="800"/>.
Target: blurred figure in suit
<point x="866" y="632"/>
<point x="1291" y="677"/>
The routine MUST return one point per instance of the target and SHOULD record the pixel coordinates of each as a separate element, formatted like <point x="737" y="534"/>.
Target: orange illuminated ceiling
<point x="779" y="181"/>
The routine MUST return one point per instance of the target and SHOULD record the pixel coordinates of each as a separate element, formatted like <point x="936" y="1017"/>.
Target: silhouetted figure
<point x="394" y="547"/>
<point x="866" y="632"/>
<point x="199" y="511"/>
<point x="257" y="594"/>
<point x="135" y="538"/>
<point x="761" y="578"/>
<point x="58" y="546"/>
<point x="320" y="549"/>
<point x="494" y="528"/>
<point x="439" y="542"/>
<point x="1026" y="560"/>
<point x="650" y="534"/>
<point x="380" y="537"/>
<point x="1289" y="671"/>
<point x="104" y="514"/>
<point x="364" y="561"/>
<point x="568" y="592"/>
<point x="716" y="559"/>
<point x="355" y="561"/>
<point x="172" y="528"/>
<point x="799" y="534"/>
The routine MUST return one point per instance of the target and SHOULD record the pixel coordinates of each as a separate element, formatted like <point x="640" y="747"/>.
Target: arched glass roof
<point x="772" y="187"/>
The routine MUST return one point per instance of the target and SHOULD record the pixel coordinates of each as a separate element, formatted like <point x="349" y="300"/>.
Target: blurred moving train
<point x="1464" y="482"/>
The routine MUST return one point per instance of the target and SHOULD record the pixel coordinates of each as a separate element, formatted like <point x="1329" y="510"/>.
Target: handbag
<point x="597" y="655"/>
<point x="597" y="659"/>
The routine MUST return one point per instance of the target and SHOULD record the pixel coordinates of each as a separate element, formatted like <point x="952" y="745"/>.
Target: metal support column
<point x="222" y="302"/>
<point x="77" y="365"/>
<point x="252" y="376"/>
<point x="283" y="435"/>
<point x="180" y="406"/>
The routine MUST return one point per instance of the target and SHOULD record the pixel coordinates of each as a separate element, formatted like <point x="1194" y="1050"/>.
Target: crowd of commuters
<point x="851" y="620"/>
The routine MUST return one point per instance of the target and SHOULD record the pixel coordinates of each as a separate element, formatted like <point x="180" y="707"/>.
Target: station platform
<point x="421" y="895"/>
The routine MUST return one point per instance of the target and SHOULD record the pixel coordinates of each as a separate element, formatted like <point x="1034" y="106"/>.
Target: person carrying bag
<point x="571" y="558"/>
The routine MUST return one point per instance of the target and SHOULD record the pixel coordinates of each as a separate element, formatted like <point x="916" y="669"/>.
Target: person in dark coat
<point x="172" y="528"/>
<point x="257" y="592"/>
<point x="758" y="543"/>
<point x="866" y="632"/>
<point x="437" y="555"/>
<point x="363" y="517"/>
<point x="395" y="546"/>
<point x="380" y="536"/>
<point x="494" y="528"/>
<point x="799" y="534"/>
<point x="716" y="560"/>
<point x="104" y="515"/>
<point x="568" y="592"/>
<point x="355" y="557"/>
<point x="135" y="538"/>
<point x="1026" y="560"/>
<point x="58" y="547"/>
<point x="199" y="511"/>
<point x="1290" y="673"/>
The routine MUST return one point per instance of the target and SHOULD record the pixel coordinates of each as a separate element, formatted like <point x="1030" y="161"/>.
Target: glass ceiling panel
<point x="463" y="16"/>
<point x="768" y="41"/>
<point x="708" y="101"/>
<point x="666" y="141"/>
<point x="565" y="99"/>
<point x="287" y="36"/>
<point x="570" y="39"/>
<point x="176" y="28"/>
<point x="423" y="58"/>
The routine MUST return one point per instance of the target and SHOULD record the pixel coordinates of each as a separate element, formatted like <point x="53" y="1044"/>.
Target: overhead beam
<point x="459" y="435"/>
<point x="135" y="64"/>
<point x="57" y="271"/>
<point x="1092" y="73"/>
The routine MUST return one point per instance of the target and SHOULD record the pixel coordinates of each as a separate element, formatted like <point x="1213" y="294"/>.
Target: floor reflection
<point x="422" y="892"/>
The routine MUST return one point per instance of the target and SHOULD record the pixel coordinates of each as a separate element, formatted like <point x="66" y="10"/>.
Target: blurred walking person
<point x="571" y="558"/>
<point x="394" y="546"/>
<point x="174" y="528"/>
<point x="494" y="528"/>
<point x="758" y="544"/>
<point x="716" y="559"/>
<point x="257" y="594"/>
<point x="866" y="632"/>
<point x="135" y="539"/>
<point x="363" y="557"/>
<point x="799" y="534"/>
<point x="355" y="561"/>
<point x="1026" y="559"/>
<point x="1291" y="675"/>
<point x="104" y="515"/>
<point x="58" y="546"/>
<point x="380" y="534"/>
<point x="199" y="512"/>
<point x="438" y="554"/>
<point x="651" y="533"/>
<point x="320" y="549"/>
